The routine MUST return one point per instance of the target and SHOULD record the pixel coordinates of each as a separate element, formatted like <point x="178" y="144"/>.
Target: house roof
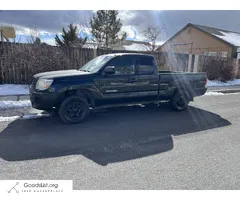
<point x="228" y="37"/>
<point x="136" y="47"/>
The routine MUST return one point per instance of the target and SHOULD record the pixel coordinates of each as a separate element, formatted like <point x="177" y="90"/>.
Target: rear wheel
<point x="74" y="109"/>
<point x="179" y="102"/>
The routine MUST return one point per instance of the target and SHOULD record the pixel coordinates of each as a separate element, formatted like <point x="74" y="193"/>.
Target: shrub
<point x="218" y="68"/>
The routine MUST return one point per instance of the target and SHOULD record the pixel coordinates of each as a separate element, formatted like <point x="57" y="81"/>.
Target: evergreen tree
<point x="106" y="27"/>
<point x="37" y="40"/>
<point x="70" y="38"/>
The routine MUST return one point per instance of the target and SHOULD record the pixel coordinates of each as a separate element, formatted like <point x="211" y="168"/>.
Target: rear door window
<point x="146" y="65"/>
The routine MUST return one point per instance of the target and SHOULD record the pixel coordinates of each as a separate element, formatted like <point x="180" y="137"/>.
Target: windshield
<point x="96" y="64"/>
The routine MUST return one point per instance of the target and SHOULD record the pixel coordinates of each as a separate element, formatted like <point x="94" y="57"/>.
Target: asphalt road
<point x="131" y="148"/>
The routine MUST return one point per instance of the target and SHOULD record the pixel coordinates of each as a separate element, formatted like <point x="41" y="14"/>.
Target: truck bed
<point x="195" y="83"/>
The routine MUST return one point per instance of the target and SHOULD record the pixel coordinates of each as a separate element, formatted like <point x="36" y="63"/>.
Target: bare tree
<point x="152" y="34"/>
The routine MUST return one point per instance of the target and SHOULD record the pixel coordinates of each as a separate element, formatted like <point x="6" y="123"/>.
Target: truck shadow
<point x="116" y="135"/>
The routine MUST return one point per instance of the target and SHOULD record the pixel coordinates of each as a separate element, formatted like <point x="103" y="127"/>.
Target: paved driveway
<point x="131" y="148"/>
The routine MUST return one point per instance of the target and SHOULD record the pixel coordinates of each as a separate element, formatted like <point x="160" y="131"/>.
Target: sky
<point x="46" y="24"/>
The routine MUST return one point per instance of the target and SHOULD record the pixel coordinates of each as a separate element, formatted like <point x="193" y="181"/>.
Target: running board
<point x="129" y="104"/>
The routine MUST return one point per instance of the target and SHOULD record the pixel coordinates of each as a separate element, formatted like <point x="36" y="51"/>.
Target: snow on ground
<point x="36" y="116"/>
<point x="216" y="83"/>
<point x="9" y="119"/>
<point x="213" y="93"/>
<point x="15" y="104"/>
<point x="13" y="89"/>
<point x="218" y="93"/>
<point x="30" y="116"/>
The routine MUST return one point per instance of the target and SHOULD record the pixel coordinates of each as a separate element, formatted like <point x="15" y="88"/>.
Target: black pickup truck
<point x="113" y="80"/>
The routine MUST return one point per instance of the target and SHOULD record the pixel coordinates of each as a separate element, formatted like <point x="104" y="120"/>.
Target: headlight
<point x="43" y="84"/>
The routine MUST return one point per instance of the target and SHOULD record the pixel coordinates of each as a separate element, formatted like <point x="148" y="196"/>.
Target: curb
<point x="15" y="97"/>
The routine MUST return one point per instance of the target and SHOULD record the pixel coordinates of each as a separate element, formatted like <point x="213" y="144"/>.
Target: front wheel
<point x="74" y="109"/>
<point x="179" y="102"/>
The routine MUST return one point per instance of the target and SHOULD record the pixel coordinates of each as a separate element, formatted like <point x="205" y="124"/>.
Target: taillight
<point x="206" y="81"/>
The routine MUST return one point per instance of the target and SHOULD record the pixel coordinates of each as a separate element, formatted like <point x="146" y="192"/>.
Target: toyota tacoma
<point x="113" y="80"/>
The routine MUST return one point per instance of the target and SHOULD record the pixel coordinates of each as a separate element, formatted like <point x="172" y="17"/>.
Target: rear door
<point x="123" y="83"/>
<point x="148" y="77"/>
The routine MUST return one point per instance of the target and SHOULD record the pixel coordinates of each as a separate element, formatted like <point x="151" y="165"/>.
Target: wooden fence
<point x="19" y="62"/>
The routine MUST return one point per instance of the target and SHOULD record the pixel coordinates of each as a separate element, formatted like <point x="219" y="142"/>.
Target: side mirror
<point x="109" y="70"/>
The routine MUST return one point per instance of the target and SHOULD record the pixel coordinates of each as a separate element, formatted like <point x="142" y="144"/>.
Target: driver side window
<point x="124" y="65"/>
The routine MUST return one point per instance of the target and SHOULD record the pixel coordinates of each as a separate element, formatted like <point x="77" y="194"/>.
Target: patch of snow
<point x="13" y="89"/>
<point x="218" y="93"/>
<point x="136" y="47"/>
<point x="233" y="38"/>
<point x="15" y="104"/>
<point x="9" y="119"/>
<point x="24" y="117"/>
<point x="160" y="43"/>
<point x="35" y="116"/>
<point x="213" y="94"/>
<point x="216" y="83"/>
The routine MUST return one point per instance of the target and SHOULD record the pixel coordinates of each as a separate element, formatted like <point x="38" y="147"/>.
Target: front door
<point x="122" y="84"/>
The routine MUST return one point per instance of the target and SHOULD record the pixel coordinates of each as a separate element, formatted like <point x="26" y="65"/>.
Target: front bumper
<point x="43" y="101"/>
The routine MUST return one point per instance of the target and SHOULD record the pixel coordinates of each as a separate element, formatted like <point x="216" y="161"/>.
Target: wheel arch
<point x="79" y="92"/>
<point x="184" y="91"/>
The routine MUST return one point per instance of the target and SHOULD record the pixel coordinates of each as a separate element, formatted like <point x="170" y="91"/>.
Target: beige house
<point x="7" y="32"/>
<point x="198" y="39"/>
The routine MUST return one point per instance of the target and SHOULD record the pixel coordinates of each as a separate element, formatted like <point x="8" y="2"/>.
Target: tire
<point x="74" y="109"/>
<point x="179" y="102"/>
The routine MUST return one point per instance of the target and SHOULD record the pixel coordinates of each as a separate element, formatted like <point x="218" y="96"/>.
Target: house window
<point x="217" y="53"/>
<point x="224" y="54"/>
